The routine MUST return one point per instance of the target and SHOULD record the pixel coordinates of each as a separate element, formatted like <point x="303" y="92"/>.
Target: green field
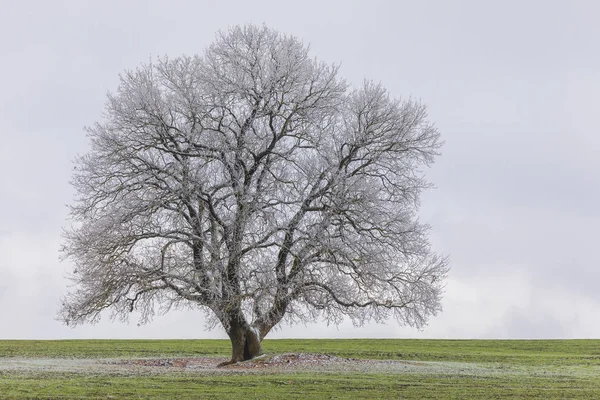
<point x="441" y="369"/>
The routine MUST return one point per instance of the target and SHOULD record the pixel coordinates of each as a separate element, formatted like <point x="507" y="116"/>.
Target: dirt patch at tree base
<point x="278" y="361"/>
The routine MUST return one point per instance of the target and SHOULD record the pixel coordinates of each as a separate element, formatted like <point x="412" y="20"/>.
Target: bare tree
<point x="252" y="183"/>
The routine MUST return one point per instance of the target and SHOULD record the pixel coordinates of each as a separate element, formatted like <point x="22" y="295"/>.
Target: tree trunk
<point x="245" y="342"/>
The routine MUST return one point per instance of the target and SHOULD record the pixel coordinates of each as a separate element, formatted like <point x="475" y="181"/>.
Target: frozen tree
<point x="253" y="183"/>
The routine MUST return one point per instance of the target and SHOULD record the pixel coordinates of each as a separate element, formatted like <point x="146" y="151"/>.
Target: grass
<point x="112" y="348"/>
<point x="306" y="386"/>
<point x="521" y="352"/>
<point x="545" y="369"/>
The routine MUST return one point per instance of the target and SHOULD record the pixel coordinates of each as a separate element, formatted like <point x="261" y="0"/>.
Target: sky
<point x="513" y="87"/>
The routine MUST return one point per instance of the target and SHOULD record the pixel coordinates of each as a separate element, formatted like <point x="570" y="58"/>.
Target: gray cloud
<point x="525" y="324"/>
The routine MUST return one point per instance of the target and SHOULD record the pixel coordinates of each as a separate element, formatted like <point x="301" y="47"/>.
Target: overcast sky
<point x="513" y="86"/>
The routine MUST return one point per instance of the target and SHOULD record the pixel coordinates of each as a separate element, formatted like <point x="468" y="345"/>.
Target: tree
<point x="253" y="183"/>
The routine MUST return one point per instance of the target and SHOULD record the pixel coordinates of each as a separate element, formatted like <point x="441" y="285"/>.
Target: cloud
<point x="516" y="203"/>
